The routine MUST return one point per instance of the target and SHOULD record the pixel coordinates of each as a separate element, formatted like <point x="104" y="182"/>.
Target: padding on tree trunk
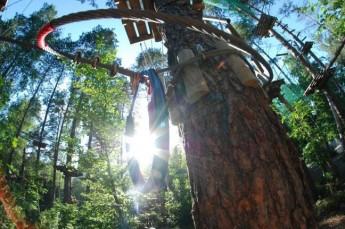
<point x="266" y="23"/>
<point x="239" y="66"/>
<point x="194" y="82"/>
<point x="174" y="99"/>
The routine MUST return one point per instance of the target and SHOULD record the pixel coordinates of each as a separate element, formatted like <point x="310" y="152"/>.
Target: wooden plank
<point x="121" y="4"/>
<point x="148" y="5"/>
<point x="141" y="38"/>
<point x="144" y="33"/>
<point x="129" y="27"/>
<point x="141" y="26"/>
<point x="156" y="33"/>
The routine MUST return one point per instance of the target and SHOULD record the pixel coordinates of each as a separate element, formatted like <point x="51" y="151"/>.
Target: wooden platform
<point x="273" y="89"/>
<point x="319" y="81"/>
<point x="139" y="31"/>
<point x="266" y="23"/>
<point x="307" y="47"/>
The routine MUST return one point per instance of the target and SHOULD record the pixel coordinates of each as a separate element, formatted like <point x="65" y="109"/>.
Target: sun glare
<point x="142" y="144"/>
<point x="142" y="148"/>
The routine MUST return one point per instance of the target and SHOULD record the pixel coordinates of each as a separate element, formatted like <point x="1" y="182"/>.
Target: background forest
<point x="62" y="124"/>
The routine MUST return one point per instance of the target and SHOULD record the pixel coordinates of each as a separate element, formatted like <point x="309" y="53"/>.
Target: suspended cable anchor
<point x="307" y="47"/>
<point x="265" y="24"/>
<point x="320" y="80"/>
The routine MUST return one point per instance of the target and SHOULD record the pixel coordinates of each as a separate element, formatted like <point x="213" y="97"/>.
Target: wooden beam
<point x="144" y="32"/>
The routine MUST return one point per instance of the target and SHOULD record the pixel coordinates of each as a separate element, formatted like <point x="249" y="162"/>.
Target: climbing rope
<point x="152" y="17"/>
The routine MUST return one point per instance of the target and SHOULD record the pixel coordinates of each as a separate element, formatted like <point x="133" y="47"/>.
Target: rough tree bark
<point x="243" y="169"/>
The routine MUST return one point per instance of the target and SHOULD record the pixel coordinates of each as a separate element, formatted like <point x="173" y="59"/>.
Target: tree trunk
<point x="90" y="137"/>
<point x="22" y="167"/>
<point x="337" y="121"/>
<point x="117" y="203"/>
<point x="70" y="152"/>
<point x="285" y="102"/>
<point x="10" y="66"/>
<point x="26" y="111"/>
<point x="40" y="140"/>
<point x="243" y="169"/>
<point x="68" y="178"/>
<point x="55" y="158"/>
<point x="57" y="145"/>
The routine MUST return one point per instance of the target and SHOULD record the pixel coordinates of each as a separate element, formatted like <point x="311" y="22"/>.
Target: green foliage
<point x="179" y="205"/>
<point x="60" y="216"/>
<point x="312" y="127"/>
<point x="329" y="14"/>
<point x="330" y="205"/>
<point x="86" y="123"/>
<point x="152" y="58"/>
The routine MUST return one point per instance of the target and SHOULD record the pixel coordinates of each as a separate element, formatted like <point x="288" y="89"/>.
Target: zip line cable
<point x="146" y="63"/>
<point x="13" y="3"/>
<point x="148" y="54"/>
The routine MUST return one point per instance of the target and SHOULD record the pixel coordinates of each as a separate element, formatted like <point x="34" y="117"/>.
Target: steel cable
<point x="154" y="17"/>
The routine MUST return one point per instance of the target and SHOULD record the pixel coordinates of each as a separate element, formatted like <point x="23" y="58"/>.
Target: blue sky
<point x="126" y="51"/>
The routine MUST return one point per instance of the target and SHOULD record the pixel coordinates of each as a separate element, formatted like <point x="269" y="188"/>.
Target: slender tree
<point x="22" y="120"/>
<point x="40" y="139"/>
<point x="71" y="151"/>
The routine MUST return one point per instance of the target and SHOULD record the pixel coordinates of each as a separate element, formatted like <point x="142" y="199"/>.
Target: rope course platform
<point x="139" y="31"/>
<point x="69" y="171"/>
<point x="319" y="81"/>
<point x="307" y="47"/>
<point x="266" y="23"/>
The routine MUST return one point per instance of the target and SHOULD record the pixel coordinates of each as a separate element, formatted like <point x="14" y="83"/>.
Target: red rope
<point x="10" y="207"/>
<point x="42" y="34"/>
<point x="160" y="18"/>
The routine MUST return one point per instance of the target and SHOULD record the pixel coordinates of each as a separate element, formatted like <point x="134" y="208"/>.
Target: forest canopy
<point x="63" y="154"/>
